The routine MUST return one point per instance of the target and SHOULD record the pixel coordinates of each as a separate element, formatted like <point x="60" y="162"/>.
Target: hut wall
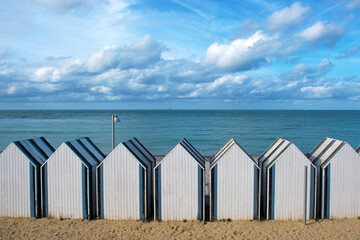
<point x="120" y="181"/>
<point x="345" y="184"/>
<point x="179" y="186"/>
<point x="288" y="201"/>
<point x="15" y="180"/>
<point x="65" y="184"/>
<point x="235" y="186"/>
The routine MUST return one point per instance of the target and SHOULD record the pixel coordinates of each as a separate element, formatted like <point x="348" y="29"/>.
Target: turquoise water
<point x="160" y="130"/>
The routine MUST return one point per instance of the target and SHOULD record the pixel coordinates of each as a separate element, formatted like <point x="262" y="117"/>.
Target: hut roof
<point x="140" y="152"/>
<point x="86" y="150"/>
<point x="191" y="150"/>
<point x="325" y="151"/>
<point x="274" y="151"/>
<point x="228" y="145"/>
<point x="38" y="150"/>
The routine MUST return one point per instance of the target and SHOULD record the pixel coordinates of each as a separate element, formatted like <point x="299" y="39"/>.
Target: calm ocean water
<point x="160" y="130"/>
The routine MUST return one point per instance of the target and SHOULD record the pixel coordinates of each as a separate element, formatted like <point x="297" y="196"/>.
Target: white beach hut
<point x="283" y="182"/>
<point x="338" y="167"/>
<point x="234" y="183"/>
<point x="179" y="184"/>
<point x="21" y="178"/>
<point x="71" y="180"/>
<point x="125" y="182"/>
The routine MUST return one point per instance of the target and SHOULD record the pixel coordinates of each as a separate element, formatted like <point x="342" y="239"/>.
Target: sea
<point x="160" y="130"/>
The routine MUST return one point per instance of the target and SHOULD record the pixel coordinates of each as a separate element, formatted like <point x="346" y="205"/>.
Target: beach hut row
<point x="78" y="181"/>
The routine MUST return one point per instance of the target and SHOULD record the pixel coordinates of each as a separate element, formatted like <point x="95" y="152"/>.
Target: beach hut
<point x="21" y="177"/>
<point x="71" y="180"/>
<point x="179" y="184"/>
<point x="283" y="182"/>
<point x="338" y="168"/>
<point x="234" y="183"/>
<point x="126" y="183"/>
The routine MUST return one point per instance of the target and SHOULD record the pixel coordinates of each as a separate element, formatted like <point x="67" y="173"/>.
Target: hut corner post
<point x="305" y="193"/>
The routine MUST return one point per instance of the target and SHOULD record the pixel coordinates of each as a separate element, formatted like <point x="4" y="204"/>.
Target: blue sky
<point x="180" y="54"/>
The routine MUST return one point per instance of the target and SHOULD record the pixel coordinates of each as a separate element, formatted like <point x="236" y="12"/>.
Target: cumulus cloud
<point x="242" y="54"/>
<point x="287" y="17"/>
<point x="101" y="89"/>
<point x="321" y="33"/>
<point x="349" y="53"/>
<point x="44" y="74"/>
<point x="140" y="54"/>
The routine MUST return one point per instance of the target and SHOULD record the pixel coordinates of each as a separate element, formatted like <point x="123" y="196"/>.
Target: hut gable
<point x="179" y="181"/>
<point x="283" y="182"/>
<point x="71" y="179"/>
<point x="234" y="183"/>
<point x="20" y="166"/>
<point x="338" y="165"/>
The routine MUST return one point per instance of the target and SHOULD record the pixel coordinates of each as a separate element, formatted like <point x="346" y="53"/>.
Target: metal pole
<point x="113" y="131"/>
<point x="305" y="193"/>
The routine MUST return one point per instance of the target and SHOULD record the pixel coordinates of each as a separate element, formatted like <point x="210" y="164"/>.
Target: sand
<point x="27" y="228"/>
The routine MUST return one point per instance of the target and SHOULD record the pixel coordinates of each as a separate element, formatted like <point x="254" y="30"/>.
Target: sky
<point x="179" y="54"/>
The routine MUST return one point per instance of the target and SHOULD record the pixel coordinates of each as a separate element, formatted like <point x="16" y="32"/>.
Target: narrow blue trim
<point x="101" y="180"/>
<point x="311" y="192"/>
<point x="46" y="212"/>
<point x="83" y="171"/>
<point x="141" y="192"/>
<point x="255" y="191"/>
<point x="272" y="192"/>
<point x="215" y="192"/>
<point x="159" y="192"/>
<point x="328" y="191"/>
<point x="32" y="192"/>
<point x="199" y="193"/>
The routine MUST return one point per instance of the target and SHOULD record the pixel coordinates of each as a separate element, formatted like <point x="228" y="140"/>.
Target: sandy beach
<point x="27" y="228"/>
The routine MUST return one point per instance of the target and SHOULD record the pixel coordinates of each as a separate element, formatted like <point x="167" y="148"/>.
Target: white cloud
<point x="11" y="90"/>
<point x="242" y="54"/>
<point x="228" y="80"/>
<point x="44" y="74"/>
<point x="140" y="54"/>
<point x="101" y="89"/>
<point x="317" y="92"/>
<point x="321" y="33"/>
<point x="290" y="16"/>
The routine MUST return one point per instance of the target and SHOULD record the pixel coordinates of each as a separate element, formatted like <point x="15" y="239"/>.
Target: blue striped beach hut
<point x="126" y="182"/>
<point x="283" y="182"/>
<point x="179" y="184"/>
<point x="338" y="168"/>
<point x="21" y="178"/>
<point x="234" y="183"/>
<point x="71" y="180"/>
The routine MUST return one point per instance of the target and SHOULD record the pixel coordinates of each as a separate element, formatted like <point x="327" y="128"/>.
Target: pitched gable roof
<point x="228" y="145"/>
<point x="38" y="150"/>
<point x="325" y="150"/>
<point x="274" y="151"/>
<point x="140" y="152"/>
<point x="86" y="150"/>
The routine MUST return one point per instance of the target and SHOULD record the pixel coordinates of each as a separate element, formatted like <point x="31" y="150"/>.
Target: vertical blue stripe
<point x="83" y="171"/>
<point x="101" y="193"/>
<point x="328" y="191"/>
<point x="272" y="192"/>
<point x="199" y="193"/>
<point x="255" y="191"/>
<point x="312" y="191"/>
<point x="159" y="192"/>
<point x="215" y="192"/>
<point x="32" y="191"/>
<point x="141" y="192"/>
<point x="46" y="212"/>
